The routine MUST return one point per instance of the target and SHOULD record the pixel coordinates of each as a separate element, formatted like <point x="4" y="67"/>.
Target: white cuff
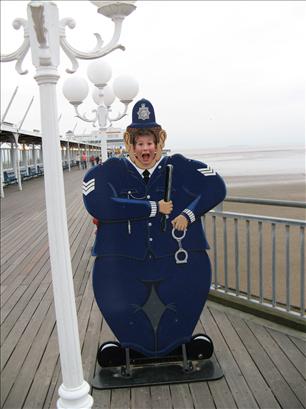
<point x="190" y="215"/>
<point x="153" y="209"/>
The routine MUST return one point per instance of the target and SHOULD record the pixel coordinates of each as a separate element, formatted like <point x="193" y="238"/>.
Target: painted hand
<point x="180" y="223"/>
<point x="165" y="207"/>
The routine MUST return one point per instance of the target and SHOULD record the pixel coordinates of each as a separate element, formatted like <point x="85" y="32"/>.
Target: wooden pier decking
<point x="264" y="363"/>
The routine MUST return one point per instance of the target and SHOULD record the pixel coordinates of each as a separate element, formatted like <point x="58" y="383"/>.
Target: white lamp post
<point x="69" y="135"/>
<point x="99" y="73"/>
<point x="44" y="33"/>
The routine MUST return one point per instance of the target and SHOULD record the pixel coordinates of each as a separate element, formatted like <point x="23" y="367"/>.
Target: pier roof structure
<point x="32" y="137"/>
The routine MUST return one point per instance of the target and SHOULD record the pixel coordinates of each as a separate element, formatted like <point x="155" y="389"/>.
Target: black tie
<point x="146" y="176"/>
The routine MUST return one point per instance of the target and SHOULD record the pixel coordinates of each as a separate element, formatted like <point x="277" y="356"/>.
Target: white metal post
<point x="13" y="157"/>
<point x="41" y="156"/>
<point x="1" y="172"/>
<point x="80" y="161"/>
<point x="43" y="18"/>
<point x="68" y="155"/>
<point x="35" y="157"/>
<point x="103" y="137"/>
<point x="74" y="390"/>
<point x="16" y="161"/>
<point x="43" y="35"/>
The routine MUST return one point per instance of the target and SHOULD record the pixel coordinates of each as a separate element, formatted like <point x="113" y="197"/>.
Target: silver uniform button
<point x="150" y="239"/>
<point x="159" y="167"/>
<point x="150" y="224"/>
<point x="148" y="197"/>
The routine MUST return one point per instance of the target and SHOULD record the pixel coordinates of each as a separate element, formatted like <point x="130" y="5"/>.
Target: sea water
<point x="252" y="161"/>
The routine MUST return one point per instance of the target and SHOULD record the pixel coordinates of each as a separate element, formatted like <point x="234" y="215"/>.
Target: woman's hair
<point x="135" y="132"/>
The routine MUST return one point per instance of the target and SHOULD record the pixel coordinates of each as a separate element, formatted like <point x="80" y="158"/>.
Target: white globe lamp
<point x="109" y="96"/>
<point x="96" y="96"/>
<point x="125" y="88"/>
<point x="75" y="90"/>
<point x="99" y="73"/>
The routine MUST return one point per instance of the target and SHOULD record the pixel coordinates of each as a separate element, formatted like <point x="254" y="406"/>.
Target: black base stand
<point x="159" y="374"/>
<point x="125" y="368"/>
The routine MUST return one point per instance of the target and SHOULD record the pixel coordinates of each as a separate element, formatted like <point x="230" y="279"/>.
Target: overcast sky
<point x="218" y="73"/>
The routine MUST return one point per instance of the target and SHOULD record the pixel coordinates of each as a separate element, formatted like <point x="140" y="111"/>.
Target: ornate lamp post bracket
<point x="21" y="52"/>
<point x="117" y="11"/>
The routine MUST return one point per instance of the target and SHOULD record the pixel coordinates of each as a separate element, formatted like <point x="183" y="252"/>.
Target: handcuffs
<point x="180" y="251"/>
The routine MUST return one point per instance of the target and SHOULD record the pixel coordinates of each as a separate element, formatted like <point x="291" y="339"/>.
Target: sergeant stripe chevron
<point x="88" y="186"/>
<point x="207" y="171"/>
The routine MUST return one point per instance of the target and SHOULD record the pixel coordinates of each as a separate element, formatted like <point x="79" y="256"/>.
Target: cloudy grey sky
<point x="218" y="73"/>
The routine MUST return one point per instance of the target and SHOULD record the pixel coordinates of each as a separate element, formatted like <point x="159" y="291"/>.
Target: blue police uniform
<point x="151" y="302"/>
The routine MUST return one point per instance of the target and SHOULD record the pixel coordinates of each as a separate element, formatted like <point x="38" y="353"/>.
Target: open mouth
<point x="146" y="156"/>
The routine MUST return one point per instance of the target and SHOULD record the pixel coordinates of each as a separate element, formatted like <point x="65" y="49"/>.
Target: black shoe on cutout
<point x="111" y="354"/>
<point x="200" y="347"/>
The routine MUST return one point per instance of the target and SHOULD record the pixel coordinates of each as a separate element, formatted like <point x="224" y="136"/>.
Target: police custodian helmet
<point x="143" y="115"/>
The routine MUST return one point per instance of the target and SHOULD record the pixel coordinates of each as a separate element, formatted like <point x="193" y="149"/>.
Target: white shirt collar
<point x="151" y="170"/>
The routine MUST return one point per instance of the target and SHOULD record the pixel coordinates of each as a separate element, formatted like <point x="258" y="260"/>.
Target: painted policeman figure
<point x="151" y="285"/>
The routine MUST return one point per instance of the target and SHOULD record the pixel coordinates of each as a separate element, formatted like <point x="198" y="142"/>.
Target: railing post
<point x="288" y="286"/>
<point x="302" y="270"/>
<point x="273" y="264"/>
<point x="261" y="290"/>
<point x="237" y="257"/>
<point x="248" y="258"/>
<point x="225" y="254"/>
<point x="215" y="252"/>
<point x="289" y="307"/>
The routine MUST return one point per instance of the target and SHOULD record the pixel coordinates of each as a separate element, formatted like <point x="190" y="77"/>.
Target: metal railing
<point x="257" y="259"/>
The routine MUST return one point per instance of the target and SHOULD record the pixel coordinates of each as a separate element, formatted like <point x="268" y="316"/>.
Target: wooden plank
<point x="222" y="394"/>
<point x="279" y="387"/>
<point x="57" y="380"/>
<point x="240" y="390"/>
<point x="28" y="267"/>
<point x="12" y="301"/>
<point x="21" y="330"/>
<point x="82" y="307"/>
<point x="284" y="365"/>
<point x="52" y="395"/>
<point x="27" y="372"/>
<point x="24" y="257"/>
<point x="120" y="399"/>
<point x="12" y="315"/>
<point x="253" y="377"/>
<point x="141" y="398"/>
<point x="300" y="344"/>
<point x="91" y="343"/>
<point x="218" y="390"/>
<point x="290" y="349"/>
<point x="49" y="367"/>
<point x="33" y="236"/>
<point x="18" y="380"/>
<point x="161" y="397"/>
<point x="181" y="396"/>
<point x="21" y="349"/>
<point x="20" y="242"/>
<point x="201" y="395"/>
<point x="102" y="399"/>
<point x="42" y="380"/>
